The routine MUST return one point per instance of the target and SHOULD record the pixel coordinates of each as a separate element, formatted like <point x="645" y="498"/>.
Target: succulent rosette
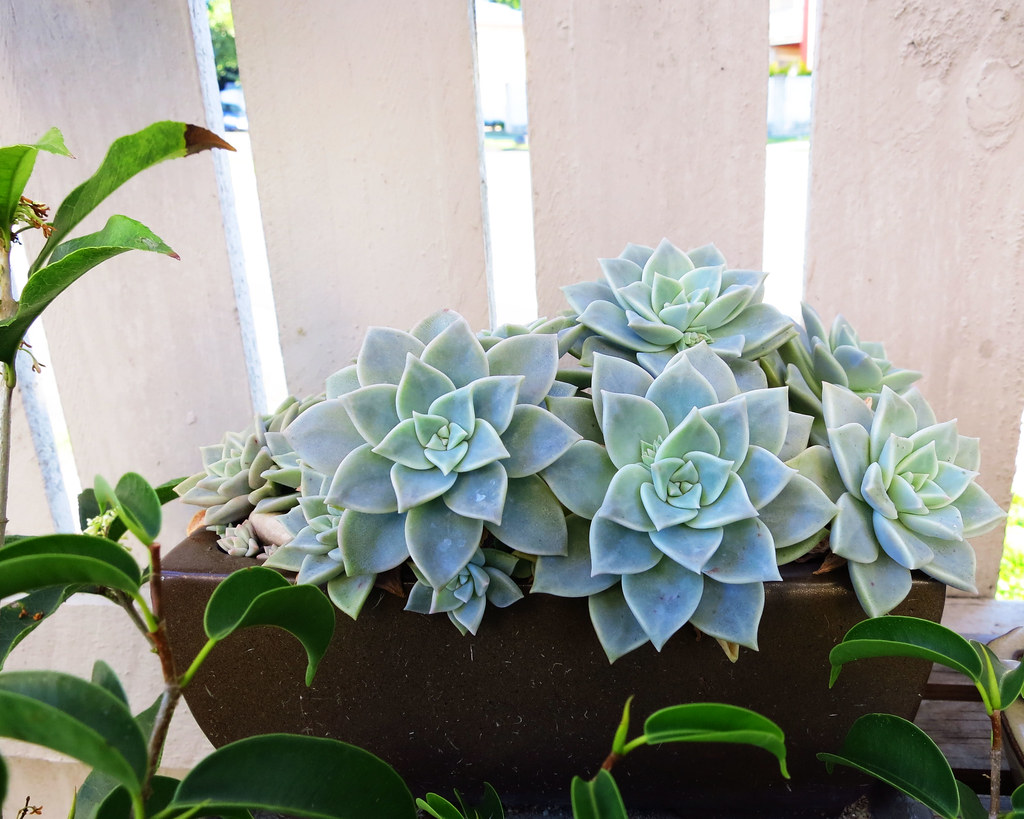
<point x="487" y="578"/>
<point x="430" y="441"/>
<point x="907" y="496"/>
<point x="655" y="302"/>
<point x="837" y="356"/>
<point x="690" y="497"/>
<point x="253" y="470"/>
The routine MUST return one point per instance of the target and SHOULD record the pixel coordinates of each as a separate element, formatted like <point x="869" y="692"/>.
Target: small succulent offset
<point x="836" y="356"/>
<point x="690" y="497"/>
<point x="655" y="302"/>
<point x="908" y="497"/>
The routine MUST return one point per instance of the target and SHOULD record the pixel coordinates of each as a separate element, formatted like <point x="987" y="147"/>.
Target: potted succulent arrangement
<point x="644" y="469"/>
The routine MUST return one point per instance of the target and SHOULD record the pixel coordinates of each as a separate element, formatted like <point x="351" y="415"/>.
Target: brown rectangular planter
<point x="532" y="701"/>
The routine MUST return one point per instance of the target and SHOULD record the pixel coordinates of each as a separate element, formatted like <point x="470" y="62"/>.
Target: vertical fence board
<point x="917" y="190"/>
<point x="27" y="508"/>
<point x="645" y="122"/>
<point x="367" y="151"/>
<point x="146" y="350"/>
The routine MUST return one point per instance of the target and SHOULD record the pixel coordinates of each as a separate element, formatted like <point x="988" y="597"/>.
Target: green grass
<point x="1011" y="570"/>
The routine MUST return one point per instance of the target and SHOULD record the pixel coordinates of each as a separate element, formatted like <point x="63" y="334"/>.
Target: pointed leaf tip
<point x="199" y="139"/>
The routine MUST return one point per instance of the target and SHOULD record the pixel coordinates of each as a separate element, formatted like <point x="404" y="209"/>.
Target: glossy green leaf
<point x="139" y="507"/>
<point x="88" y="507"/>
<point x="490" y="806"/>
<point x="71" y="546"/>
<point x="261" y="597"/>
<point x="74" y="717"/>
<point x="19" y="618"/>
<point x="619" y="740"/>
<point x="103" y="676"/>
<point x="118" y="803"/>
<point x="39" y="571"/>
<point x="71" y="261"/>
<point x="310" y="777"/>
<point x="901" y="754"/>
<point x="716" y="722"/>
<point x="897" y="636"/>
<point x="597" y="798"/>
<point x="1000" y="684"/>
<point x="125" y="158"/>
<point x="971" y="806"/>
<point x="440" y="808"/>
<point x="16" y="164"/>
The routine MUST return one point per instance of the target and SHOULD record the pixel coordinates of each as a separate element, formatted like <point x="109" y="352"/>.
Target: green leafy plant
<point x="897" y="751"/>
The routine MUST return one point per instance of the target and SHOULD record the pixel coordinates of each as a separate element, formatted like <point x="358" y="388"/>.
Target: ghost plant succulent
<point x="690" y="499"/>
<point x="907" y="498"/>
<point x="656" y="302"/>
<point x="660" y="451"/>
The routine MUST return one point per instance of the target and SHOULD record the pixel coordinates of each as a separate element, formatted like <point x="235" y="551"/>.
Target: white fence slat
<point x="646" y="121"/>
<point x="27" y="509"/>
<point x="917" y="190"/>
<point x="146" y="349"/>
<point x="367" y="152"/>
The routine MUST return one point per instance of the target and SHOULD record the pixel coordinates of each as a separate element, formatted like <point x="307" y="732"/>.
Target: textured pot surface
<point x="532" y="700"/>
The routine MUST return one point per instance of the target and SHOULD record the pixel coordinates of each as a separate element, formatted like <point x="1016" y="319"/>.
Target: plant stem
<point x="8" y="307"/>
<point x="995" y="758"/>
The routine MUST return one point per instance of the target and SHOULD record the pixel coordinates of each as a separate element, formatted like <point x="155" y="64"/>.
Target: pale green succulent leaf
<point x="980" y="513"/>
<point x="623" y="503"/>
<point x="618" y="550"/>
<point x="850" y="444"/>
<point x="893" y="416"/>
<point x="954" y="563"/>
<point x="402" y="444"/>
<point x="323" y="436"/>
<point x="503" y="591"/>
<point x="350" y="593"/>
<point x="705" y="281"/>
<point x="318" y="569"/>
<point x="762" y="327"/>
<point x="705" y="256"/>
<point x="764" y="476"/>
<point x="798" y="513"/>
<point x="614" y="623"/>
<point x="578" y="413"/>
<point x="581" y="497"/>
<point x="494" y="399"/>
<point x="456" y="407"/>
<point x="609" y="321"/>
<point x="631" y="422"/>
<point x="694" y="434"/>
<point x="746" y="555"/>
<point x="371" y="544"/>
<point x="826" y="368"/>
<point x="880" y="585"/>
<point x="420" y="599"/>
<point x="875" y="492"/>
<point x="862" y="372"/>
<point x="798" y="434"/>
<point x="655" y="363"/>
<point x="768" y="415"/>
<point x="382" y="357"/>
<point x="732" y="505"/>
<point x="853" y="535"/>
<point x="945" y="437"/>
<point x="664" y="290"/>
<point x="571" y="574"/>
<point x="372" y="411"/>
<point x="469" y="615"/>
<point x="433" y="325"/>
<point x="668" y="260"/>
<point x="620" y="272"/>
<point x="480" y="493"/>
<point x="419" y="387"/>
<point x="726" y="307"/>
<point x="287" y="558"/>
<point x="655" y="332"/>
<point x="945" y="523"/>
<point x="711" y="367"/>
<point x="663" y="515"/>
<point x="535" y="439"/>
<point x="714" y="475"/>
<point x="968" y="453"/>
<point x="616" y="375"/>
<point x="440" y="542"/>
<point x="363" y="482"/>
<point x="840" y="407"/>
<point x="690" y="548"/>
<point x="953" y="480"/>
<point x="533" y="521"/>
<point x="580" y="295"/>
<point x="414" y="487"/>
<point x="457" y="353"/>
<point x="662" y="598"/>
<point x="730" y="611"/>
<point x="817" y="464"/>
<point x="679" y="389"/>
<point x="902" y="545"/>
<point x="729" y="420"/>
<point x="893" y="452"/>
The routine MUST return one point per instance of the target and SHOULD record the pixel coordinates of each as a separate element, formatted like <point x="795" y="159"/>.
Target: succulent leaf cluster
<point x="690" y="499"/>
<point x="251" y="471"/>
<point x="655" y="302"/>
<point x="908" y="500"/>
<point x="837" y="356"/>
